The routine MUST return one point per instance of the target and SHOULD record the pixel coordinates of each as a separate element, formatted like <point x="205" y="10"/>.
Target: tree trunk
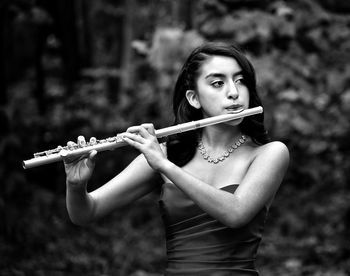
<point x="3" y="63"/>
<point x="185" y="13"/>
<point x="84" y="32"/>
<point x="68" y="34"/>
<point x="39" y="71"/>
<point x="127" y="80"/>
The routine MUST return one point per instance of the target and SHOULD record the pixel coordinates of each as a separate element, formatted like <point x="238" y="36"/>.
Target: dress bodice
<point x="197" y="244"/>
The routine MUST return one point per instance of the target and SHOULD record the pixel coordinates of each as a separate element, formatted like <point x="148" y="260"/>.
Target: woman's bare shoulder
<point x="274" y="145"/>
<point x="275" y="151"/>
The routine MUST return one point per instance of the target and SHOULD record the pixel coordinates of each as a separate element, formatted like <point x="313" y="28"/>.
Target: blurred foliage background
<point x="93" y="68"/>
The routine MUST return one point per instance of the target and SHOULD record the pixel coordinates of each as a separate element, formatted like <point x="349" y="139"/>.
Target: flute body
<point x="55" y="155"/>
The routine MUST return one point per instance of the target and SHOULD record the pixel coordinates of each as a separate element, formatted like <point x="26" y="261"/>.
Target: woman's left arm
<point x="258" y="187"/>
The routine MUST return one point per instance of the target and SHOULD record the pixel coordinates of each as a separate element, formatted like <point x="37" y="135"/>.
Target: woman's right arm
<point x="129" y="185"/>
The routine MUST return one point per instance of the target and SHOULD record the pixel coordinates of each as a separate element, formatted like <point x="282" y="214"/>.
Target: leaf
<point x="290" y="95"/>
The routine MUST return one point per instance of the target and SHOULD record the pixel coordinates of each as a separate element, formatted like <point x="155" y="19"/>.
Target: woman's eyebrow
<point x="221" y="75"/>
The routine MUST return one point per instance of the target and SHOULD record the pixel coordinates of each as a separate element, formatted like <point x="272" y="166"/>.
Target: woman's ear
<point x="192" y="98"/>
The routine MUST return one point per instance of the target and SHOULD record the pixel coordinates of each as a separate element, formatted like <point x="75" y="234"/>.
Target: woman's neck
<point x="220" y="136"/>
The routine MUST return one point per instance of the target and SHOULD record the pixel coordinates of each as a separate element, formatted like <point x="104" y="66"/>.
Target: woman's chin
<point x="234" y="122"/>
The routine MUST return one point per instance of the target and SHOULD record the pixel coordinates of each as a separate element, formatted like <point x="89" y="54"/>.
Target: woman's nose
<point x="232" y="91"/>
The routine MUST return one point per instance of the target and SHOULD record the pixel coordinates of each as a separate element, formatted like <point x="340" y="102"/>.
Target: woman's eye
<point x="217" y="83"/>
<point x="240" y="81"/>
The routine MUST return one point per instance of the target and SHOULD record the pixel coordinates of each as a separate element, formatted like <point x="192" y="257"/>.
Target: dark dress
<point x="197" y="244"/>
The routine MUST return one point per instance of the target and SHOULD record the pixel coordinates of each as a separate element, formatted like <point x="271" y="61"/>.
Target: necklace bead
<point x="226" y="154"/>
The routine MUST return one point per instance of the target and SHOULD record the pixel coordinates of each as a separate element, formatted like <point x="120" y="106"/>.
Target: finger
<point x="92" y="155"/>
<point x="140" y="130"/>
<point x="68" y="158"/>
<point x="150" y="128"/>
<point x="133" y="129"/>
<point x="71" y="145"/>
<point x="145" y="133"/>
<point x="133" y="137"/>
<point x="120" y="136"/>
<point x="132" y="143"/>
<point x="90" y="162"/>
<point x="65" y="155"/>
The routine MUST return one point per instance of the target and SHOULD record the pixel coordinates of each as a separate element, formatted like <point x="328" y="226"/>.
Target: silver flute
<point x="73" y="149"/>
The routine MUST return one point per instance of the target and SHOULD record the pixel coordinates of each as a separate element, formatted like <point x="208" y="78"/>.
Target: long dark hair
<point x="182" y="147"/>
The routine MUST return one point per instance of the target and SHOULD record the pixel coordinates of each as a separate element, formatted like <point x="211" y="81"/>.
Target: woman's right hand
<point x="79" y="169"/>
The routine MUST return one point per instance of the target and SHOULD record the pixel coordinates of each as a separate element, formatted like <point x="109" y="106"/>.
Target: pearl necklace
<point x="226" y="153"/>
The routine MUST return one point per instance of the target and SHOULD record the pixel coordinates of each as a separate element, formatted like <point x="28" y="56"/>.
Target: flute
<point x="55" y="155"/>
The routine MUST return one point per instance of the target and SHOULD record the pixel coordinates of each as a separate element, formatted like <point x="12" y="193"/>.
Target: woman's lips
<point x="235" y="109"/>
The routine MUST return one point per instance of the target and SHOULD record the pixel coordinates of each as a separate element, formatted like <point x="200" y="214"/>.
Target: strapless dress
<point x="197" y="244"/>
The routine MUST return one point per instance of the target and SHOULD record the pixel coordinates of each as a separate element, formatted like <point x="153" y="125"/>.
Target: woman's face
<point x="221" y="87"/>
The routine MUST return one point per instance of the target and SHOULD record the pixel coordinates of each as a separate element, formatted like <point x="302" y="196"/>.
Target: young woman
<point x="219" y="182"/>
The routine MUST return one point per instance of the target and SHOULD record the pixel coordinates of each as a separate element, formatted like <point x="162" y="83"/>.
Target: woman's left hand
<point x="144" y="139"/>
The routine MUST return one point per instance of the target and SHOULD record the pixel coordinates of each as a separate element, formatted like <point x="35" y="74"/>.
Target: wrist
<point x="76" y="187"/>
<point x="166" y="166"/>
